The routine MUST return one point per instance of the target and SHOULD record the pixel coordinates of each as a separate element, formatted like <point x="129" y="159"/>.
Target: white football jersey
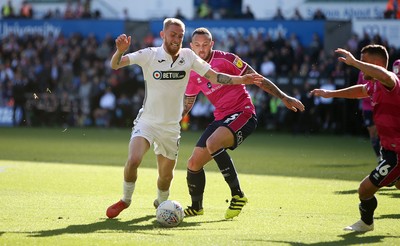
<point x="165" y="82"/>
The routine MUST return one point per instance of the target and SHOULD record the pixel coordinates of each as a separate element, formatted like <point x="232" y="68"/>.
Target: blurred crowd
<point x="76" y="9"/>
<point x="67" y="81"/>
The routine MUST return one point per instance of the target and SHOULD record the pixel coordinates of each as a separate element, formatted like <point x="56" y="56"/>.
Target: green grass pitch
<point x="55" y="185"/>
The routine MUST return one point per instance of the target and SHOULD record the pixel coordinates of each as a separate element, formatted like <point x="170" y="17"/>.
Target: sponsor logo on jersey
<point x="209" y="85"/>
<point x="181" y="61"/>
<point x="238" y="62"/>
<point x="170" y="75"/>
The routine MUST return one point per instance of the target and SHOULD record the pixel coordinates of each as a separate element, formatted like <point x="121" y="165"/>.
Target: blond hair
<point x="173" y="21"/>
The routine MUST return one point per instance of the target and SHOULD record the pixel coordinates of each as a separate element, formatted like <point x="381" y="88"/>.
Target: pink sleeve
<point x="192" y="89"/>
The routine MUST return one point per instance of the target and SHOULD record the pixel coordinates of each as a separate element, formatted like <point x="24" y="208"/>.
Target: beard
<point x="172" y="49"/>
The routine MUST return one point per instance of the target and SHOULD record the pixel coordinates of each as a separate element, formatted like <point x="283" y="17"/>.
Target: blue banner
<point x="99" y="28"/>
<point x="304" y="30"/>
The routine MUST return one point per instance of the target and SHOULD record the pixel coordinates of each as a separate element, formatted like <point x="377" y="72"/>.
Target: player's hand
<point x="320" y="93"/>
<point x="293" y="104"/>
<point x="252" y="78"/>
<point x="346" y="56"/>
<point x="122" y="42"/>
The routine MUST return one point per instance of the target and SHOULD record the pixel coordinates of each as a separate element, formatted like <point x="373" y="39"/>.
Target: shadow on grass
<point x="343" y="165"/>
<point x="352" y="238"/>
<point x="392" y="192"/>
<point x="389" y="216"/>
<point x="115" y="225"/>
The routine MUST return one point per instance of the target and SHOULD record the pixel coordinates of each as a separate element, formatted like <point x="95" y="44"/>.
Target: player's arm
<point x="385" y="77"/>
<point x="118" y="60"/>
<point x="188" y="103"/>
<point x="269" y="87"/>
<point x="226" y="79"/>
<point x="352" y="92"/>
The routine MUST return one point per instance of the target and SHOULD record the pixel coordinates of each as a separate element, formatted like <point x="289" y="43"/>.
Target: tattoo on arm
<point x="271" y="88"/>
<point x="249" y="70"/>
<point x="224" y="79"/>
<point x="188" y="104"/>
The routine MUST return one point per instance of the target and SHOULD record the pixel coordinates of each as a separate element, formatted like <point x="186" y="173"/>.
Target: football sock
<point x="162" y="195"/>
<point x="196" y="181"/>
<point x="367" y="208"/>
<point x="376" y="145"/>
<point x="225" y="165"/>
<point x="128" y="188"/>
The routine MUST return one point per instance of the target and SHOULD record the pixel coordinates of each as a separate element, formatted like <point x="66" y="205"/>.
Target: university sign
<point x="99" y="28"/>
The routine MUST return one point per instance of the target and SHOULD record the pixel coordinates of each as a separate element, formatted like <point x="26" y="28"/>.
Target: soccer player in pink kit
<point x="383" y="88"/>
<point x="366" y="107"/>
<point x="234" y="121"/>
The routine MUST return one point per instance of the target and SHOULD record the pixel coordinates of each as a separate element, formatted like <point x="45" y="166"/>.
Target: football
<point x="170" y="213"/>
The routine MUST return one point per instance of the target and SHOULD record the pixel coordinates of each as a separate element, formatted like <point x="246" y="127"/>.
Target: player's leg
<point x="166" y="168"/>
<point x="166" y="147"/>
<point x="367" y="206"/>
<point x="232" y="132"/>
<point x="138" y="146"/>
<point x="217" y="143"/>
<point x="196" y="179"/>
<point x="385" y="174"/>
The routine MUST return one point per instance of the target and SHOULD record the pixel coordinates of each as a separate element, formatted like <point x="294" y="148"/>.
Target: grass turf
<point x="55" y="185"/>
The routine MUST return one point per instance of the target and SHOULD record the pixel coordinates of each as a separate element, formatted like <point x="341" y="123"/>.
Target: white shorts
<point x="165" y="138"/>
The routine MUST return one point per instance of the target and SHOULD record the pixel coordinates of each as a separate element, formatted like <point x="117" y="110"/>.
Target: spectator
<point x="278" y="14"/>
<point x="18" y="94"/>
<point x="85" y="89"/>
<point x="352" y="43"/>
<point x="105" y="113"/>
<point x="319" y="15"/>
<point x="179" y="14"/>
<point x="7" y="10"/>
<point x="69" y="12"/>
<point x="267" y="67"/>
<point x="204" y="10"/>
<point x="125" y="14"/>
<point x="248" y="14"/>
<point x="297" y="15"/>
<point x="325" y="107"/>
<point x="26" y="10"/>
<point x="392" y="9"/>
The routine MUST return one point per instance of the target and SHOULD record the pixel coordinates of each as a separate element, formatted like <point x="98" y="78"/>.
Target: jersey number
<point x="231" y="118"/>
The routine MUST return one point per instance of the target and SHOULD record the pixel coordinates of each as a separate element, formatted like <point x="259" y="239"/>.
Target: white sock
<point x="128" y="188"/>
<point x="162" y="195"/>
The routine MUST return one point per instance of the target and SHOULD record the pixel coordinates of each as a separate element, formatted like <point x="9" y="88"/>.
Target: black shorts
<point x="368" y="119"/>
<point x="241" y="124"/>
<point x="388" y="170"/>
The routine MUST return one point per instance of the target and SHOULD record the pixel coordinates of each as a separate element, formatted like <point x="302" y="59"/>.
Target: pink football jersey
<point x="227" y="99"/>
<point x="386" y="111"/>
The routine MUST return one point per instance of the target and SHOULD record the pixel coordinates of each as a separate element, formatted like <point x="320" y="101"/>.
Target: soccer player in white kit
<point x="166" y="71"/>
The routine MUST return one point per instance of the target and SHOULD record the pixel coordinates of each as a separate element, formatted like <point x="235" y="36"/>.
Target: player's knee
<point x="133" y="162"/>
<point x="364" y="193"/>
<point x="213" y="144"/>
<point x="194" y="165"/>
